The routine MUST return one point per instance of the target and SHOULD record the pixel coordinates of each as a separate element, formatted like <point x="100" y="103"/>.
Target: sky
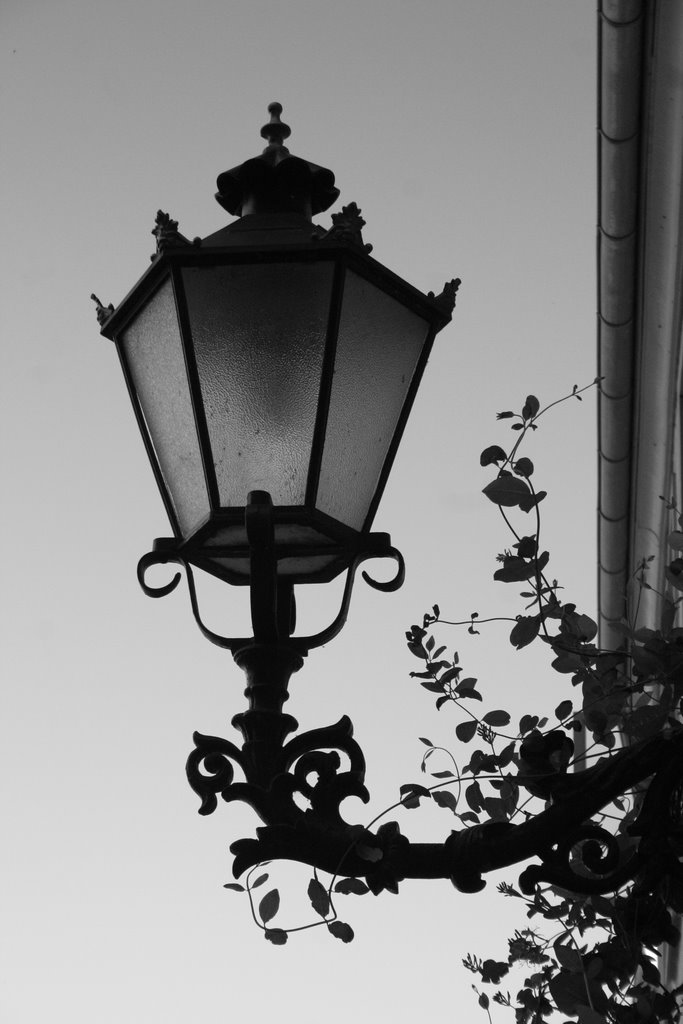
<point x="465" y="131"/>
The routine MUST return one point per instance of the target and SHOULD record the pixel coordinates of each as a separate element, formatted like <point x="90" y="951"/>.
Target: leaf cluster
<point x="321" y="902"/>
<point x="590" y="958"/>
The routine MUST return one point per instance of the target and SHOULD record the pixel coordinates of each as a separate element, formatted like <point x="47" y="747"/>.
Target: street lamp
<point x="272" y="367"/>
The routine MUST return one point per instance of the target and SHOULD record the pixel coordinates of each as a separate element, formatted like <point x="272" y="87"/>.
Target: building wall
<point x="640" y="299"/>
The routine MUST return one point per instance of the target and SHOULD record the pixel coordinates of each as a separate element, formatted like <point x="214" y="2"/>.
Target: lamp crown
<point x="276" y="182"/>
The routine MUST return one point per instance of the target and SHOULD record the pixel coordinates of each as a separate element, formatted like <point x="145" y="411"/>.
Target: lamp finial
<point x="275" y="131"/>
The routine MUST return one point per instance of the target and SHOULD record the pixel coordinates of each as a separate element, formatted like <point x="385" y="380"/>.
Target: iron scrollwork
<point x="589" y="860"/>
<point x="273" y="779"/>
<point x="575" y="853"/>
<point x="210" y="772"/>
<point x="297" y="785"/>
<point x="272" y="606"/>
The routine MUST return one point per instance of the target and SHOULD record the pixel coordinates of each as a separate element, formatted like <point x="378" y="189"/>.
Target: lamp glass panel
<point x="259" y="338"/>
<point x="378" y="347"/>
<point x="153" y="350"/>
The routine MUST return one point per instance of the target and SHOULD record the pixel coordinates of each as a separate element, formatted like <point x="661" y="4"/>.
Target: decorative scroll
<point x="290" y="770"/>
<point x="209" y="770"/>
<point x="590" y="861"/>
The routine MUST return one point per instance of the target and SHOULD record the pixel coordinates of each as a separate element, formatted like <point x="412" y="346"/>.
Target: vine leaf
<point x="569" y="992"/>
<point x="675" y="540"/>
<point x="466" y="731"/>
<point x="340" y="930"/>
<point x="474" y="796"/>
<point x="507" y="755"/>
<point x="450" y="674"/>
<point x="351" y="885"/>
<point x="317" y="894"/>
<point x="524" y="631"/>
<point x="235" y="886"/>
<point x="466" y="687"/>
<point x="524" y="467"/>
<point x="507" y="490"/>
<point x="469" y="692"/>
<point x="410" y="796"/>
<point x="259" y="881"/>
<point x="564" y="709"/>
<point x="527" y="546"/>
<point x="568" y="957"/>
<point x="493" y="970"/>
<point x="278" y="936"/>
<point x="529" y="501"/>
<point x="531" y="407"/>
<point x="497" y="719"/>
<point x="469" y="816"/>
<point x="493" y="454"/>
<point x="444" y="798"/>
<point x="516" y="569"/>
<point x="269" y="906"/>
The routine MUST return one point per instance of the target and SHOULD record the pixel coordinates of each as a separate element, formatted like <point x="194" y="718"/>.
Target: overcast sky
<point x="465" y="130"/>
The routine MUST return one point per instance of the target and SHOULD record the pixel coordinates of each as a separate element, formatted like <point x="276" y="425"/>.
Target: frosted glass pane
<point x="259" y="336"/>
<point x="378" y="347"/>
<point x="154" y="354"/>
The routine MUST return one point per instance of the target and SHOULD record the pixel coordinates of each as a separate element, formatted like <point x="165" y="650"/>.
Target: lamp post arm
<point x="575" y="852"/>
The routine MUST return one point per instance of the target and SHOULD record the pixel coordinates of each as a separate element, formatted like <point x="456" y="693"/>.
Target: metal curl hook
<point x="148" y="560"/>
<point x="399" y="578"/>
<point x="325" y="635"/>
<point x="162" y="557"/>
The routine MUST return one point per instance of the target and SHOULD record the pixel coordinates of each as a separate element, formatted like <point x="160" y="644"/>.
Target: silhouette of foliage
<point x="591" y="958"/>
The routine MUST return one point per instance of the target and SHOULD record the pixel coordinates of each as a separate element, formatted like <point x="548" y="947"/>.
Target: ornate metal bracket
<point x="575" y="853"/>
<point x="272" y="599"/>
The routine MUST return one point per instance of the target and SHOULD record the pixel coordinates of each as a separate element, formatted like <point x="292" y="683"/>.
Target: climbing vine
<point x="594" y="958"/>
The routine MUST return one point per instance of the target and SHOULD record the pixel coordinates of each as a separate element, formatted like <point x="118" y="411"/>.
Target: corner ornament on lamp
<point x="272" y="367"/>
